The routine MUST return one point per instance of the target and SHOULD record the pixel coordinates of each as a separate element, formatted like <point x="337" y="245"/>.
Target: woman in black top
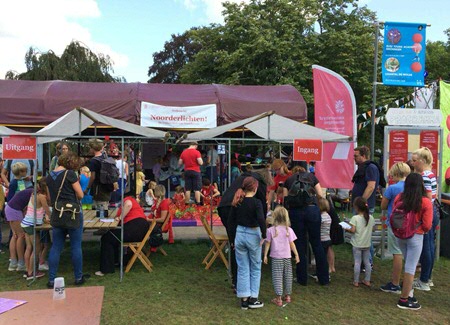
<point x="247" y="233"/>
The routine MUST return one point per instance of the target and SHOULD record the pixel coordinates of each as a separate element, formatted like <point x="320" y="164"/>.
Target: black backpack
<point x="301" y="193"/>
<point x="361" y="172"/>
<point x="109" y="173"/>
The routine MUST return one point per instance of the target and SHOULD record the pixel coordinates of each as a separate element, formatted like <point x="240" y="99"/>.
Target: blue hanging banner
<point x="403" y="62"/>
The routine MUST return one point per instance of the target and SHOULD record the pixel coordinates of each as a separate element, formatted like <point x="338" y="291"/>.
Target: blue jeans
<point x="428" y="250"/>
<point x="306" y="224"/>
<point x="59" y="238"/>
<point x="248" y="258"/>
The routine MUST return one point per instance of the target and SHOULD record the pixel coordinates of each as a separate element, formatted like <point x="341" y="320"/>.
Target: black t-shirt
<point x="228" y="195"/>
<point x="248" y="214"/>
<point x="54" y="182"/>
<point x="311" y="177"/>
<point x="100" y="192"/>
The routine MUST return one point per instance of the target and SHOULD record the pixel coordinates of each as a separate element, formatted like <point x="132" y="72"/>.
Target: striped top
<point x="325" y="227"/>
<point x="430" y="183"/>
<point x="28" y="220"/>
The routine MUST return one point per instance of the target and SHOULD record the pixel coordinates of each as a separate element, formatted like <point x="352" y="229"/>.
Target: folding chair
<point x="219" y="242"/>
<point x="164" y="230"/>
<point x="136" y="248"/>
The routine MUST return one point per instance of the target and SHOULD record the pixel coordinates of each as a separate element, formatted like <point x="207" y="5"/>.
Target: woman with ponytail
<point x="247" y="233"/>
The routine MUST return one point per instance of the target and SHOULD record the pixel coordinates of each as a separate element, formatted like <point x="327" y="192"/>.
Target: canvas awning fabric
<point x="272" y="127"/>
<point x="78" y="120"/>
<point x="38" y="103"/>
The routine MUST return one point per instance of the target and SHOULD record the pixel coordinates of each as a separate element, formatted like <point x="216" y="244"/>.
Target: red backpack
<point x="403" y="223"/>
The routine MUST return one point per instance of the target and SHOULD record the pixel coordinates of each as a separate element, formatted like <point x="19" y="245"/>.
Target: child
<point x="281" y="237"/>
<point x="150" y="195"/>
<point x="28" y="226"/>
<point x="140" y="181"/>
<point x="324" y="206"/>
<point x="208" y="192"/>
<point x="14" y="215"/>
<point x="179" y="198"/>
<point x="19" y="171"/>
<point x="361" y="226"/>
<point x="279" y="195"/>
<point x="85" y="175"/>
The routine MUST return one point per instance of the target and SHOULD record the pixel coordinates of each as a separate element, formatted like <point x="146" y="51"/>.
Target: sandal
<point x="287" y="298"/>
<point x="356" y="284"/>
<point x="277" y="302"/>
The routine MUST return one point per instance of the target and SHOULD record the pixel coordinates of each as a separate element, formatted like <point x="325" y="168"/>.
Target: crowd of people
<point x="258" y="210"/>
<point x="289" y="225"/>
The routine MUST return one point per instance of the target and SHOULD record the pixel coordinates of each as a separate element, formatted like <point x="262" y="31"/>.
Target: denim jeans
<point x="248" y="258"/>
<point x="59" y="238"/>
<point x="428" y="250"/>
<point x="306" y="224"/>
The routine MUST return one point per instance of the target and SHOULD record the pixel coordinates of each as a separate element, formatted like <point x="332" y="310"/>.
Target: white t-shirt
<point x="363" y="233"/>
<point x="121" y="164"/>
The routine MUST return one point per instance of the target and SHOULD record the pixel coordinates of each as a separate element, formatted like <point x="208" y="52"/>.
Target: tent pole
<point x="121" y="215"/>
<point x="374" y="92"/>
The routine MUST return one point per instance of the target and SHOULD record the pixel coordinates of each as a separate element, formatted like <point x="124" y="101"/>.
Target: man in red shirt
<point x="192" y="160"/>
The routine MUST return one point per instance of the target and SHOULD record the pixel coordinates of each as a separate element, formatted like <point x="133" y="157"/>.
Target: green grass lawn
<point x="181" y="291"/>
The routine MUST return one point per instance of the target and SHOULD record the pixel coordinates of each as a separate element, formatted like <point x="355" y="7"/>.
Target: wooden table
<point x="90" y="221"/>
<point x="41" y="309"/>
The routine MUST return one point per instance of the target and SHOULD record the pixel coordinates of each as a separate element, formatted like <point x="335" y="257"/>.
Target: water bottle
<point x="102" y="212"/>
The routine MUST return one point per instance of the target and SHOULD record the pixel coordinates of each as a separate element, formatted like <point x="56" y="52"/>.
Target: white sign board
<point x="186" y="117"/>
<point x="414" y="117"/>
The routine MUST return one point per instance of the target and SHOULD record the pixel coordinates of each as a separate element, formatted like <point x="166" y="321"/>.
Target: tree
<point x="177" y="52"/>
<point x="77" y="63"/>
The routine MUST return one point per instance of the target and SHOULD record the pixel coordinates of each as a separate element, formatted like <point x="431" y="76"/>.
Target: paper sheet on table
<point x="107" y="220"/>
<point x="345" y="225"/>
<point x="8" y="304"/>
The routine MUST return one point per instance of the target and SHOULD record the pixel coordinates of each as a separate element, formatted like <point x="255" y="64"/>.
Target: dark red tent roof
<point x="41" y="102"/>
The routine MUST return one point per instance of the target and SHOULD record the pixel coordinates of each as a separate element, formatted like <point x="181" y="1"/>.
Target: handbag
<point x="442" y="209"/>
<point x="65" y="214"/>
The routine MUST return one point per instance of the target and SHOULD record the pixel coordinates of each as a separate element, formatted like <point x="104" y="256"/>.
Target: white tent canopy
<point x="80" y="119"/>
<point x="273" y="127"/>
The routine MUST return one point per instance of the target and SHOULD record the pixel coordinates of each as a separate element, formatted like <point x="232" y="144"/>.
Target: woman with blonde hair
<point x="422" y="160"/>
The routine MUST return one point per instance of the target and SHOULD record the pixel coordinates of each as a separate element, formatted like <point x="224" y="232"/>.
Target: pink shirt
<point x="279" y="245"/>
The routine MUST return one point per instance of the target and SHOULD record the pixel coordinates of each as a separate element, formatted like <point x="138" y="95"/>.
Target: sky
<point x="131" y="31"/>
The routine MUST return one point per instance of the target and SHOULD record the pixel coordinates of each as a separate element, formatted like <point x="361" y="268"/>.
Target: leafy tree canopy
<point x="77" y="63"/>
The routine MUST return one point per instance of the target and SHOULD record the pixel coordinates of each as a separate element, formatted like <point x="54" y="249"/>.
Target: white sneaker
<point x="43" y="267"/>
<point x="419" y="285"/>
<point x="431" y="283"/>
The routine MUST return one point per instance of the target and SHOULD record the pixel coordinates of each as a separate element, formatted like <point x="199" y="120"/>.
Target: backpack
<point x="381" y="180"/>
<point x="109" y="173"/>
<point x="403" y="223"/>
<point x="301" y="193"/>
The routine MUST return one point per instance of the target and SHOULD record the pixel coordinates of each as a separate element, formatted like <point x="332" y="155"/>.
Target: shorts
<point x="326" y="244"/>
<point x="192" y="180"/>
<point x="28" y="230"/>
<point x="13" y="215"/>
<point x="392" y="242"/>
<point x="45" y="237"/>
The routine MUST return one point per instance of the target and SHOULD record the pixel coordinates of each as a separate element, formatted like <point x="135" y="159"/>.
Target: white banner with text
<point x="186" y="117"/>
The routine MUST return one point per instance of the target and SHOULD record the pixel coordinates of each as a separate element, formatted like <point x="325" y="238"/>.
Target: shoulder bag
<point x="65" y="214"/>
